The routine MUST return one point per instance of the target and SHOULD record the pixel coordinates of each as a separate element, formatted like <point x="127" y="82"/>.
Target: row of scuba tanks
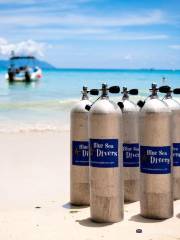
<point x="125" y="151"/>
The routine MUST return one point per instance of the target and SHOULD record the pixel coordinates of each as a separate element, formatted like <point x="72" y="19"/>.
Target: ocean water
<point x="45" y="106"/>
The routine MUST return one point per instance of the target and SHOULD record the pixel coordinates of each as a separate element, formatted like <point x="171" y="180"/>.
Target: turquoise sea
<point x="45" y="106"/>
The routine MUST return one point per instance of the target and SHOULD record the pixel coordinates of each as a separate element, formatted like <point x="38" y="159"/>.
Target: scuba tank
<point x="156" y="195"/>
<point x="175" y="133"/>
<point x="106" y="182"/>
<point x="79" y="169"/>
<point x="130" y="115"/>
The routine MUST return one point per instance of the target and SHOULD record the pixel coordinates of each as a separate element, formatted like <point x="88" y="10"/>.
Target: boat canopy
<point x="22" y="57"/>
<point x="22" y="61"/>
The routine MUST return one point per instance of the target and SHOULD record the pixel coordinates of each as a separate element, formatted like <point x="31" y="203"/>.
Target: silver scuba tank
<point x="175" y="133"/>
<point x="79" y="167"/>
<point x="130" y="146"/>
<point x="156" y="195"/>
<point x="106" y="182"/>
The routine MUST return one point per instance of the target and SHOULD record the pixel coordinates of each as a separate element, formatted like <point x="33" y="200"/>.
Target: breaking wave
<point x="35" y="105"/>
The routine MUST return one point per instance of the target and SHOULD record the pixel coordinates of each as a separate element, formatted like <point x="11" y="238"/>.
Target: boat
<point x="23" y="69"/>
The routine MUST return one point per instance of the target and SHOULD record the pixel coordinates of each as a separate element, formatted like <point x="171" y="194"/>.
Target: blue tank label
<point x="155" y="160"/>
<point x="80" y="153"/>
<point x="131" y="155"/>
<point x="104" y="153"/>
<point x="176" y="154"/>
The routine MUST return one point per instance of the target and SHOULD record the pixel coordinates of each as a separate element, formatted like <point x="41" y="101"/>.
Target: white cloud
<point x="28" y="22"/>
<point x="176" y="47"/>
<point x="24" y="19"/>
<point x="3" y="41"/>
<point x="62" y="2"/>
<point x="82" y="33"/>
<point x="17" y="1"/>
<point x="28" y="47"/>
<point x="132" y="37"/>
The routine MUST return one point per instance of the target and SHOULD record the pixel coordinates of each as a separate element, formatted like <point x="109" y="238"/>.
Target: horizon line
<point x="107" y="69"/>
<point x="117" y="69"/>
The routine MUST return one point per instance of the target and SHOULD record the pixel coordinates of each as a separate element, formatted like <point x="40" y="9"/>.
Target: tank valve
<point x="165" y="89"/>
<point x="84" y="93"/>
<point x="104" y="90"/>
<point x="133" y="92"/>
<point x="154" y="89"/>
<point x="126" y="92"/>
<point x="168" y="91"/>
<point x="176" y="91"/>
<point x="94" y="92"/>
<point x="114" y="89"/>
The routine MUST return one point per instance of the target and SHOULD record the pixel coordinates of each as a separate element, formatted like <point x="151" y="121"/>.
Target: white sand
<point x="34" y="171"/>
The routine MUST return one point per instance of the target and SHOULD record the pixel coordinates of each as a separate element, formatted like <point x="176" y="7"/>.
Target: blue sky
<point x="94" y="33"/>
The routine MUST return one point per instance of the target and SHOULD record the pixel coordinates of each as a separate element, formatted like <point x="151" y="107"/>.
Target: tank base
<point x="106" y="209"/>
<point x="156" y="205"/>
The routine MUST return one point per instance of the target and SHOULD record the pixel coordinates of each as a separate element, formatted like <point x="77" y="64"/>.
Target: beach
<point x="35" y="160"/>
<point x="34" y="196"/>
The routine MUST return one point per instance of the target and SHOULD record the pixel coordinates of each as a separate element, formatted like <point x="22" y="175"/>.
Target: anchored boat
<point x="23" y="69"/>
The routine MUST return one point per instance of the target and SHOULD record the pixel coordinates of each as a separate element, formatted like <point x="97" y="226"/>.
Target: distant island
<point x="40" y="63"/>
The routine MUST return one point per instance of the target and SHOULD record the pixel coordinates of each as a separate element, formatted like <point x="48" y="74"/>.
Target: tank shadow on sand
<point x="139" y="218"/>
<point x="71" y="206"/>
<point x="87" y="222"/>
<point x="178" y="215"/>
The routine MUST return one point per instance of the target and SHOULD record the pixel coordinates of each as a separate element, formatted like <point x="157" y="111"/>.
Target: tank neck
<point x="104" y="97"/>
<point x="168" y="95"/>
<point x="154" y="96"/>
<point x="85" y="96"/>
<point x="125" y="97"/>
<point x="104" y="94"/>
<point x="154" y="92"/>
<point x="125" y="94"/>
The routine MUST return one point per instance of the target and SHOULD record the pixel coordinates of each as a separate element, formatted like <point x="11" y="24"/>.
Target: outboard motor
<point x="130" y="145"/>
<point x="175" y="131"/>
<point x="11" y="75"/>
<point x="106" y="181"/>
<point x="79" y="175"/>
<point x="27" y="76"/>
<point x="156" y="193"/>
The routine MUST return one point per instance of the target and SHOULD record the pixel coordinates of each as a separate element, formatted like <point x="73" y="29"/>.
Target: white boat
<point x="23" y="69"/>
